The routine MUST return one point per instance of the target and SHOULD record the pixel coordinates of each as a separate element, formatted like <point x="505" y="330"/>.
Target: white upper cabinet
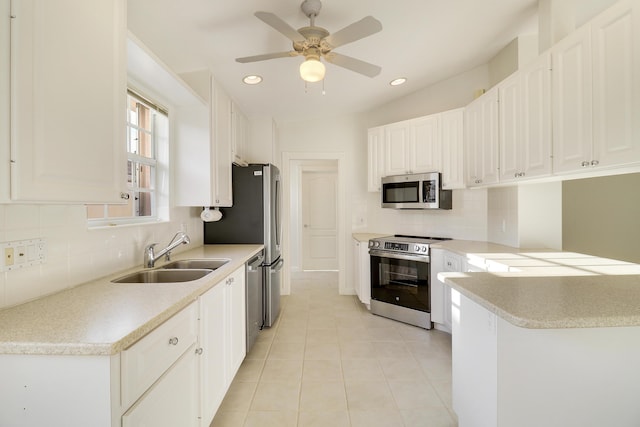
<point x="68" y="101"/>
<point x="452" y="143"/>
<point x="525" y="122"/>
<point x="413" y="146"/>
<point x="240" y="135"/>
<point x="535" y="90"/>
<point x="572" y="83"/>
<point x="431" y="143"/>
<point x="596" y="93"/>
<point x="375" y="153"/>
<point x="397" y="139"/>
<point x="481" y="139"/>
<point x="615" y="44"/>
<point x="203" y="161"/>
<point x="425" y="152"/>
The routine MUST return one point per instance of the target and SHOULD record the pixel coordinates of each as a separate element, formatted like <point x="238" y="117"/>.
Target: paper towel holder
<point x="209" y="215"/>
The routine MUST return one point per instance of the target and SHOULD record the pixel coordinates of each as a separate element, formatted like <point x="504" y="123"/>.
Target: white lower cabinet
<point x="445" y="261"/>
<point x="176" y="375"/>
<point x="441" y="261"/>
<point x="362" y="273"/>
<point x="173" y="401"/>
<point x="222" y="340"/>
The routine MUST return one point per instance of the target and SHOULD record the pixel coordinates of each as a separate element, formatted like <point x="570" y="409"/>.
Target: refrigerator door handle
<point x="277" y="211"/>
<point x="278" y="265"/>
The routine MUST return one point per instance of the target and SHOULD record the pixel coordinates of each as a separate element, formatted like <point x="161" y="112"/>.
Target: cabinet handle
<point x="449" y="264"/>
<point x="125" y="196"/>
<point x="173" y="341"/>
<point x="199" y="350"/>
<point x="585" y="164"/>
<point x="594" y="163"/>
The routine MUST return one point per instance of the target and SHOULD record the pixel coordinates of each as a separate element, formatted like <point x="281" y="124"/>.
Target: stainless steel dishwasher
<point x="254" y="299"/>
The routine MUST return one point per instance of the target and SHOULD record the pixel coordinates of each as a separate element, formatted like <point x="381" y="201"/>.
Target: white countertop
<point x="545" y="289"/>
<point x="103" y="318"/>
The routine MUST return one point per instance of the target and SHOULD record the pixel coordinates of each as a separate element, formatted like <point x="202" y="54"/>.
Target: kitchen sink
<point x="163" y="276"/>
<point x="207" y="264"/>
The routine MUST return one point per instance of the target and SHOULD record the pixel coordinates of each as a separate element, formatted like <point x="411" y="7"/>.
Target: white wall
<point x="76" y="254"/>
<point x="448" y="94"/>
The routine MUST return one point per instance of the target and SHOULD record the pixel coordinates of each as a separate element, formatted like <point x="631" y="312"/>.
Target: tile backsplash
<point x="77" y="254"/>
<point x="467" y="220"/>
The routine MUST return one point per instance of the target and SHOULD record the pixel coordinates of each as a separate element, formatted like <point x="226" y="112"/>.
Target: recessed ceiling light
<point x="252" y="80"/>
<point x="398" y="81"/>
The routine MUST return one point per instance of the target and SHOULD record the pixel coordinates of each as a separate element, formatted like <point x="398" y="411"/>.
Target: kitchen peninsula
<point x="547" y="339"/>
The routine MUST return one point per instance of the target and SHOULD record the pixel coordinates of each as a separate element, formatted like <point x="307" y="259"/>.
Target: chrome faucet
<point x="150" y="257"/>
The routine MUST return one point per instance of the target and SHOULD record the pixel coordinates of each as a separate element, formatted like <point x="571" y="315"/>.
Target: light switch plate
<point x="22" y="254"/>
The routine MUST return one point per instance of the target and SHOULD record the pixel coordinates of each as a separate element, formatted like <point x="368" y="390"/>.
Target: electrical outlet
<point x="22" y="254"/>
<point x="8" y="256"/>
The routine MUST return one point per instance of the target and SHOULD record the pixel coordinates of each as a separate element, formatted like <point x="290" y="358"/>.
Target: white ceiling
<point x="423" y="40"/>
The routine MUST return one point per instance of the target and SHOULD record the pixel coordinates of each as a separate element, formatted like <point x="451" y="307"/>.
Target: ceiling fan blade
<point x="356" y="31"/>
<point x="266" y="56"/>
<point x="353" y="64"/>
<point x="278" y="24"/>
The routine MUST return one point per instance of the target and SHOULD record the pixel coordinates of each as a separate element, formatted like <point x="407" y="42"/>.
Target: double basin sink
<point x="186" y="270"/>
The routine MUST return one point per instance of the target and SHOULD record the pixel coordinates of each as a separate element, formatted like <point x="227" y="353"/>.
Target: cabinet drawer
<point x="145" y="361"/>
<point x="452" y="262"/>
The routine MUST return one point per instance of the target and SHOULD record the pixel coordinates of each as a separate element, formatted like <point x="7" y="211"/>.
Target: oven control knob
<point x="424" y="249"/>
<point x="417" y="248"/>
<point x="376" y="244"/>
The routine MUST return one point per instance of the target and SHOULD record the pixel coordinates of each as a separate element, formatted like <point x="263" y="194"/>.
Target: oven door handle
<point x="385" y="254"/>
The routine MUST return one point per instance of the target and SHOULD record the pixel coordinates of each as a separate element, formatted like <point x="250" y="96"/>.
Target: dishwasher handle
<point x="255" y="263"/>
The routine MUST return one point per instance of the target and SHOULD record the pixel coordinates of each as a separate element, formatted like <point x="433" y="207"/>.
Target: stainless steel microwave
<point x="415" y="191"/>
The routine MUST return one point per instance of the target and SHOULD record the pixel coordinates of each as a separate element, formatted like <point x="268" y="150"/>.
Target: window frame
<point x="158" y="168"/>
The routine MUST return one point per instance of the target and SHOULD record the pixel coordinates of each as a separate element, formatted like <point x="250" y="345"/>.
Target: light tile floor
<point x="329" y="362"/>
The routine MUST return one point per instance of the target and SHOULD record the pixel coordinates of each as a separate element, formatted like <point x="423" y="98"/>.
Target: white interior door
<point x="319" y="219"/>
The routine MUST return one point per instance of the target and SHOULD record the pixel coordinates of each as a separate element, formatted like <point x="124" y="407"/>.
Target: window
<point x="147" y="128"/>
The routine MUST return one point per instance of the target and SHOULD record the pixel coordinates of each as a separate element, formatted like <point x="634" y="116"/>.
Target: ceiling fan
<point x="315" y="42"/>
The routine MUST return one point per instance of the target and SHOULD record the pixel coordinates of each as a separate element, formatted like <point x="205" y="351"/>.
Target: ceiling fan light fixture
<point x="252" y="79"/>
<point x="399" y="81"/>
<point x="312" y="70"/>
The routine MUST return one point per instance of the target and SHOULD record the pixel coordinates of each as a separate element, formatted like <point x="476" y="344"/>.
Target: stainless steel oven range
<point x="400" y="270"/>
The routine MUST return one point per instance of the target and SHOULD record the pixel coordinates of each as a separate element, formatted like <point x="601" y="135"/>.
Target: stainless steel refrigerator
<point x="255" y="218"/>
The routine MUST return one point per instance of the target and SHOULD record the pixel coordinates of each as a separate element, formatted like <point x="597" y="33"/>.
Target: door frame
<point x="288" y="158"/>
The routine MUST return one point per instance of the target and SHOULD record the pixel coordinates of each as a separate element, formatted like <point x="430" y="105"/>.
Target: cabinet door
<point x="535" y="91"/>
<point x="474" y="363"/>
<point x="236" y="314"/>
<point x="240" y="135"/>
<point x="437" y="287"/>
<point x="68" y="94"/>
<point x="221" y="146"/>
<point x="616" y="85"/>
<point x="452" y="140"/>
<point x="571" y="94"/>
<point x="356" y="268"/>
<point x="397" y="138"/>
<point x="213" y="383"/>
<point x="172" y="401"/>
<point x="365" y="274"/>
<point x="425" y="146"/>
<point x="481" y="134"/>
<point x="375" y="154"/>
<point x="510" y="125"/>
